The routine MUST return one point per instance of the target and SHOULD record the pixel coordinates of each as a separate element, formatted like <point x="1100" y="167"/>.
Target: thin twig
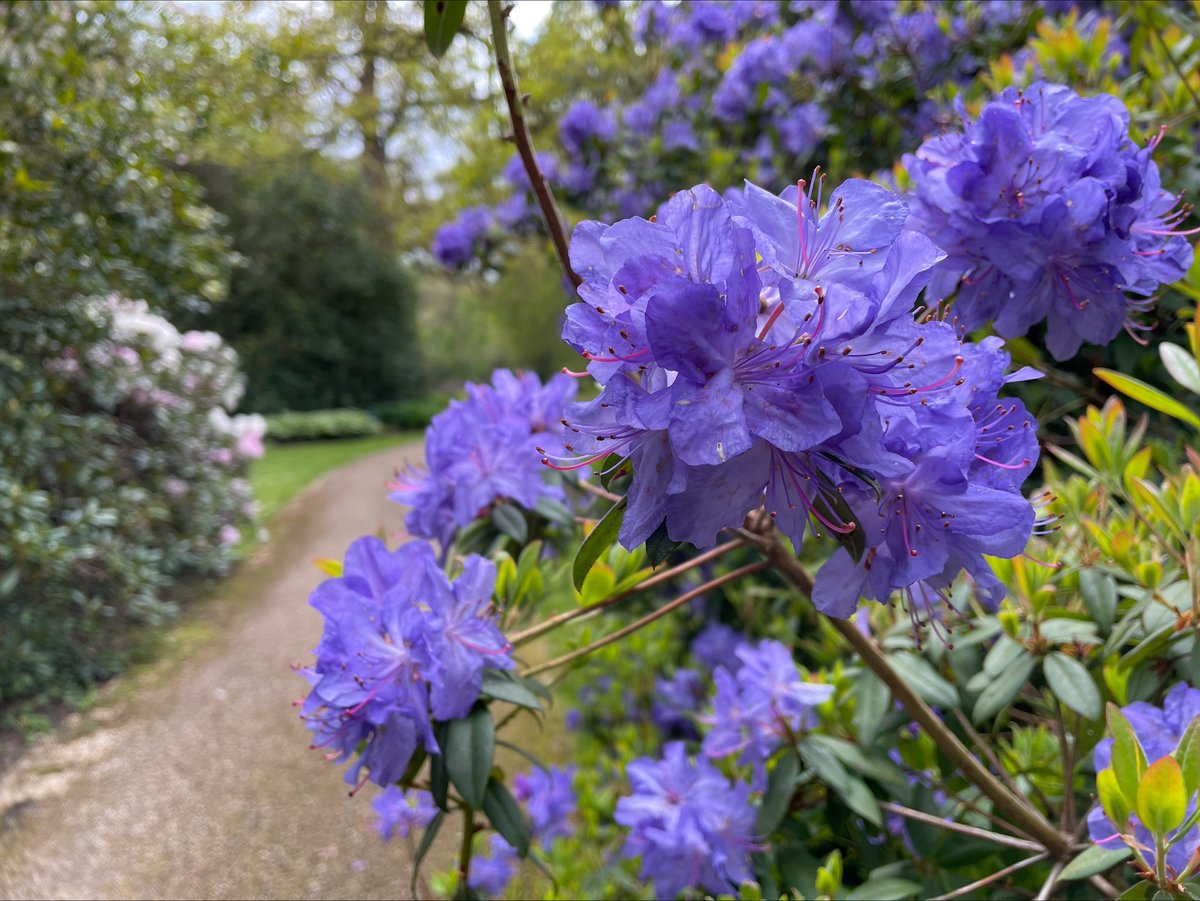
<point x="516" y="112"/>
<point x="554" y="622"/>
<point x="587" y="486"/>
<point x="951" y="826"/>
<point x="1110" y="890"/>
<point x="1051" y="881"/>
<point x="1007" y="803"/>
<point x="649" y="618"/>
<point x="995" y="877"/>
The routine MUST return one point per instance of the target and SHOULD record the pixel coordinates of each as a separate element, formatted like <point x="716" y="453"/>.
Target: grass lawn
<point x="287" y="469"/>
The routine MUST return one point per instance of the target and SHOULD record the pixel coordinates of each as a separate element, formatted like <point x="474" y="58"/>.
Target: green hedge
<point x="411" y="414"/>
<point x="317" y="424"/>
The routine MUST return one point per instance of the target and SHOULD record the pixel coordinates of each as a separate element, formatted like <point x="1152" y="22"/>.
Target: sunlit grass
<point x="287" y="469"/>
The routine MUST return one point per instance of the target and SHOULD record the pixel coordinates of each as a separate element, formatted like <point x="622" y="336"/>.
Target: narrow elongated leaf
<point x="443" y="18"/>
<point x="780" y="787"/>
<point x="470" y="746"/>
<point x="599" y="541"/>
<point x="873" y="702"/>
<point x="439" y="778"/>
<point x="1148" y="395"/>
<point x="1073" y="685"/>
<point x="927" y="681"/>
<point x="1181" y="365"/>
<point x="1188" y="755"/>
<point x="1000" y="692"/>
<point x="506" y="816"/>
<point x="1099" y="592"/>
<point x="511" y="521"/>
<point x="886" y="888"/>
<point x="1128" y="760"/>
<point x="1094" y="860"/>
<point x="502" y="686"/>
<point x="431" y="832"/>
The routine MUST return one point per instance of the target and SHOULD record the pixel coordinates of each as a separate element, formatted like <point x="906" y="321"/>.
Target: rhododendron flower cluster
<point x="1158" y="731"/>
<point x="403" y="646"/>
<point x="692" y="827"/>
<point x="482" y="449"/>
<point x="763" y="351"/>
<point x="1048" y="211"/>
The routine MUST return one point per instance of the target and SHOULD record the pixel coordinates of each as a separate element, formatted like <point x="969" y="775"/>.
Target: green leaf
<point x="503" y="686"/>
<point x="431" y="832"/>
<point x="873" y="701"/>
<point x="443" y="18"/>
<point x="1099" y="592"/>
<point x="1188" y="755"/>
<point x="526" y="754"/>
<point x="927" y="681"/>
<point x="511" y="521"/>
<point x="469" y="748"/>
<point x="887" y="888"/>
<point x="1073" y="685"/>
<point x="1181" y="365"/>
<point x="1000" y="692"/>
<point x="1128" y="760"/>
<point x="439" y="778"/>
<point x="778" y="797"/>
<point x="1148" y="395"/>
<point x="1162" y="800"/>
<point x="506" y="817"/>
<point x="612" y="469"/>
<point x="1093" y="861"/>
<point x="1139" y="891"/>
<point x="852" y="790"/>
<point x="1112" y="800"/>
<point x="659" y="546"/>
<point x="599" y="541"/>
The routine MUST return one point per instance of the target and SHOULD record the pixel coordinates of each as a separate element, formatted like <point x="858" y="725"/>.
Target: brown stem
<point x="951" y="826"/>
<point x="516" y="112"/>
<point x="554" y="622"/>
<point x="1011" y="806"/>
<point x="995" y="877"/>
<point x="649" y="618"/>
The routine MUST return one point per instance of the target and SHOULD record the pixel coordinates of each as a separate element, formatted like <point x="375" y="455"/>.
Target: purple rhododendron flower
<point x="402" y="645"/>
<point x="455" y="243"/>
<point x="717" y="645"/>
<point x="691" y="826"/>
<point x="1158" y="731"/>
<point x="492" y="874"/>
<point x="757" y="710"/>
<point x="549" y="799"/>
<point x="1048" y="212"/>
<point x="675" y="701"/>
<point x="583" y="124"/>
<point x="403" y="811"/>
<point x="485" y="448"/>
<point x="761" y="349"/>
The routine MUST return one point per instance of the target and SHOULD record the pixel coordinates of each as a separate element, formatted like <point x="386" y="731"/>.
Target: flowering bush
<point x="134" y="482"/>
<point x="790" y="417"/>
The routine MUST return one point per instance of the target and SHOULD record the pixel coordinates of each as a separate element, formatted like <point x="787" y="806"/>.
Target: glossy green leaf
<point x="501" y="685"/>
<point x="1003" y="688"/>
<point x="1099" y="591"/>
<point x="872" y="701"/>
<point x="506" y="816"/>
<point x="886" y="888"/>
<point x="1093" y="861"/>
<point x="1148" y="395"/>
<point x="659" y="546"/>
<point x="1181" y="365"/>
<point x="1188" y="755"/>
<point x="443" y="18"/>
<point x="927" y="681"/>
<point x="1073" y="685"/>
<point x="1112" y="800"/>
<point x="776" y="799"/>
<point x="439" y="778"/>
<point x="469" y="748"/>
<point x="598" y="541"/>
<point x="511" y="521"/>
<point x="1162" y="799"/>
<point x="1128" y="760"/>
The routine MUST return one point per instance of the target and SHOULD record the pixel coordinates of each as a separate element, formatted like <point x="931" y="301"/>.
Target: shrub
<point x="411" y="414"/>
<point x="317" y="424"/>
<point x="123" y="477"/>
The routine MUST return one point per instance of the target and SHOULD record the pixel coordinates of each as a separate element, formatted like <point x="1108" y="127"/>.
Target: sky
<point x="528" y="15"/>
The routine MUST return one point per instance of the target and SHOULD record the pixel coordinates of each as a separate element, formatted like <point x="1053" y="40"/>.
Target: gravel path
<point x="196" y="781"/>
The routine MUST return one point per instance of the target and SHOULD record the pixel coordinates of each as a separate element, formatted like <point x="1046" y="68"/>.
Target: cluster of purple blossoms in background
<point x="401" y="812"/>
<point x="692" y="827"/>
<point x="403" y="645"/>
<point x="762" y="350"/>
<point x="456" y="243"/>
<point x="1158" y="731"/>
<point x="482" y="449"/>
<point x="1048" y="211"/>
